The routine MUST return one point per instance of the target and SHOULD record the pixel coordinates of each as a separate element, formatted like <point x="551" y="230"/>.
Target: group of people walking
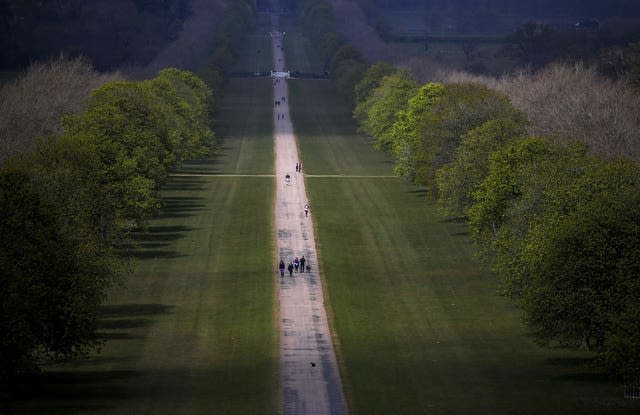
<point x="297" y="265"/>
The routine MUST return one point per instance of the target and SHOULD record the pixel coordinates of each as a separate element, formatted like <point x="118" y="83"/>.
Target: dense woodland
<point x="111" y="33"/>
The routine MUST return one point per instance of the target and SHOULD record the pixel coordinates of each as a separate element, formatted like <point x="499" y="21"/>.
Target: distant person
<point x="306" y="210"/>
<point x="296" y="167"/>
<point x="300" y="167"/>
<point x="296" y="264"/>
<point x="287" y="178"/>
<point x="290" y="268"/>
<point x="302" y="261"/>
<point x="281" y="267"/>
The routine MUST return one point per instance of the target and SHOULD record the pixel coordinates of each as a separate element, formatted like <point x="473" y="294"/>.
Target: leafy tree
<point x="377" y="113"/>
<point x="347" y="66"/>
<point x="371" y="79"/>
<point x="186" y="101"/>
<point x="131" y="139"/>
<point x="500" y="189"/>
<point x="459" y="179"/>
<point x="561" y="227"/>
<point x="621" y="351"/>
<point x="54" y="277"/>
<point x="461" y="108"/>
<point x="404" y="132"/>
<point x="580" y="264"/>
<point x="329" y="43"/>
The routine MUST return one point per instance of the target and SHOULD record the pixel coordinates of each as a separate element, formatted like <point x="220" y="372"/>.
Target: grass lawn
<point x="193" y="328"/>
<point x="297" y="49"/>
<point x="420" y="328"/>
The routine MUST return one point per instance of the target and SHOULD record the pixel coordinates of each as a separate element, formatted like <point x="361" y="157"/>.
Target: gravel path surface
<point x="310" y="380"/>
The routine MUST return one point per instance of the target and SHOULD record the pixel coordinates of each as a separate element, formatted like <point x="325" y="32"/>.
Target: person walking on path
<point x="302" y="261"/>
<point x="296" y="264"/>
<point x="296" y="167"/>
<point x="281" y="267"/>
<point x="290" y="268"/>
<point x="306" y="210"/>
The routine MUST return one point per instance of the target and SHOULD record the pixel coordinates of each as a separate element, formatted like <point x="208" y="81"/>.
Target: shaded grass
<point x="296" y="49"/>
<point x="420" y="327"/>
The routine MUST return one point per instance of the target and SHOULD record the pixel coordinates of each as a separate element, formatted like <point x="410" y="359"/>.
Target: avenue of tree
<point x="546" y="175"/>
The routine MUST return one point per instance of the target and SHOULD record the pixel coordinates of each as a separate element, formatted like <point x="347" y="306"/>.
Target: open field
<point x="419" y="324"/>
<point x="192" y="329"/>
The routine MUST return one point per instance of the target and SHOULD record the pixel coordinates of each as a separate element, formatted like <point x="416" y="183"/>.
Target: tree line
<point x="69" y="203"/>
<point x="557" y="222"/>
<point x="553" y="212"/>
<point x="344" y="63"/>
<point x="594" y="8"/>
<point x="67" y="206"/>
<point x="238" y="18"/>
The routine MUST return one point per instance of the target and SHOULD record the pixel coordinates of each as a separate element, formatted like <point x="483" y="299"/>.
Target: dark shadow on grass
<point x="202" y="166"/>
<point x="90" y="391"/>
<point x="71" y="392"/>
<point x="573" y="362"/>
<point x="126" y="323"/>
<point x="127" y="316"/>
<point x="457" y="219"/>
<point x="419" y="192"/>
<point x="117" y="336"/>
<point x="190" y="183"/>
<point x="148" y="254"/>
<point x="134" y="310"/>
<point x="167" y="228"/>
<point x="174" y="207"/>
<point x="599" y="377"/>
<point x="583" y="369"/>
<point x="148" y="242"/>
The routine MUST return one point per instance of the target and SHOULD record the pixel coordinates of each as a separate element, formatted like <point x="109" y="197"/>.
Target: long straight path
<point x="310" y="380"/>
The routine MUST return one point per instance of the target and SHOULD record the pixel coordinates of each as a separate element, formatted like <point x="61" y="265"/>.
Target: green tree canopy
<point x="378" y="112"/>
<point x="53" y="278"/>
<point x="371" y="79"/>
<point x="580" y="266"/>
<point x="133" y="144"/>
<point x="185" y="102"/>
<point x="461" y="108"/>
<point x="459" y="179"/>
<point x="561" y="227"/>
<point x="404" y="133"/>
